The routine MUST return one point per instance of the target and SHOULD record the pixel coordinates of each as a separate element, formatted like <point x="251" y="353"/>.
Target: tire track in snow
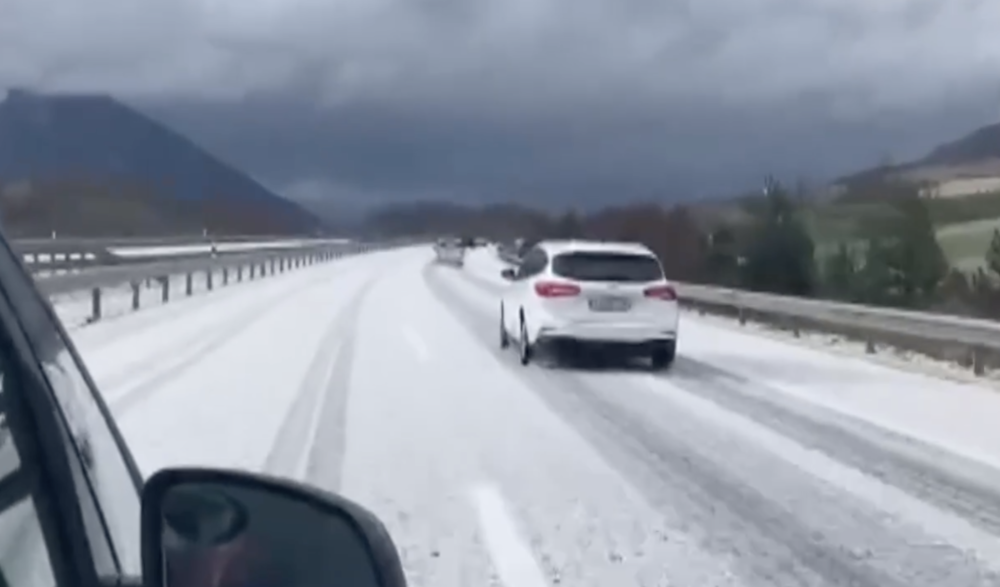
<point x="311" y="442"/>
<point x="965" y="488"/>
<point x="147" y="319"/>
<point x="324" y="461"/>
<point x="968" y="489"/>
<point x="680" y="560"/>
<point x="834" y="541"/>
<point x="136" y="384"/>
<point x="942" y="479"/>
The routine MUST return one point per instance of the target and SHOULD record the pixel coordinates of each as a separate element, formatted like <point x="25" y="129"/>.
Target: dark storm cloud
<point x="486" y="98"/>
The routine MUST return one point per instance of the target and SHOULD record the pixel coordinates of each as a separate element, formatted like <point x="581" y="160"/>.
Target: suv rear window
<point x="622" y="267"/>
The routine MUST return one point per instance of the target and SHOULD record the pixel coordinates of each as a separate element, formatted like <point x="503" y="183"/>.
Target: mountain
<point x="963" y="166"/>
<point x="63" y="157"/>
<point x="980" y="145"/>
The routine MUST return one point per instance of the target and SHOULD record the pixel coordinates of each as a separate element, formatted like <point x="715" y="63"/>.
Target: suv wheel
<point x="524" y="346"/>
<point x="663" y="355"/>
<point x="504" y="338"/>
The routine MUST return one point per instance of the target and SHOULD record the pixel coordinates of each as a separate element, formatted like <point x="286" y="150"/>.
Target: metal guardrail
<point x="74" y="253"/>
<point x="923" y="331"/>
<point x="234" y="267"/>
<point x="152" y="241"/>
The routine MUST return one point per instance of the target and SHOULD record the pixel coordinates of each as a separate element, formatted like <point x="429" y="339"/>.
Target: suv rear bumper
<point x="564" y="346"/>
<point x="609" y="333"/>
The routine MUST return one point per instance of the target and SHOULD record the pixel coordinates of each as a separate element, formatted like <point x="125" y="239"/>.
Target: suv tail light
<point x="553" y="289"/>
<point x="662" y="292"/>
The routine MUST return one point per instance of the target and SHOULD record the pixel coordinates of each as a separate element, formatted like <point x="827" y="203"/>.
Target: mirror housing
<point x="507" y="274"/>
<point x="226" y="528"/>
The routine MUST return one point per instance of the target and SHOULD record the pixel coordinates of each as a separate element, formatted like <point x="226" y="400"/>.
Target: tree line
<point x="896" y="261"/>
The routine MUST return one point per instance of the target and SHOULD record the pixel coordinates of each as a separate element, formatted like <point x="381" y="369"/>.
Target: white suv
<point x="588" y="292"/>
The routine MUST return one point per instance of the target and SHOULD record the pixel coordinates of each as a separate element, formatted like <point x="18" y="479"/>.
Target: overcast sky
<point x="498" y="99"/>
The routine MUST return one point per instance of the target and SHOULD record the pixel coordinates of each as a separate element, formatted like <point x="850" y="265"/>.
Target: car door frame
<point x="49" y="461"/>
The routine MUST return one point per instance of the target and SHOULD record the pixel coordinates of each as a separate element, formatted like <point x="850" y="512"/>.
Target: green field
<point x="965" y="244"/>
<point x="964" y="225"/>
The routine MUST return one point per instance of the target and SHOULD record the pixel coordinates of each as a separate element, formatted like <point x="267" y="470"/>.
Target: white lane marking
<point x="513" y="560"/>
<point x="416" y="343"/>
<point x="302" y="466"/>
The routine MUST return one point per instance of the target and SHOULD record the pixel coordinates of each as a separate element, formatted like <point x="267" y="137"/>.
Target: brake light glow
<point x="662" y="292"/>
<point x="554" y="289"/>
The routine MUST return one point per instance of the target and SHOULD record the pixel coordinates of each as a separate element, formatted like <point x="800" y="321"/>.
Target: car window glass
<point x="599" y="266"/>
<point x="533" y="264"/>
<point x="522" y="269"/>
<point x="526" y="264"/>
<point x="24" y="558"/>
<point x="105" y="484"/>
<point x="107" y="472"/>
<point x="9" y="460"/>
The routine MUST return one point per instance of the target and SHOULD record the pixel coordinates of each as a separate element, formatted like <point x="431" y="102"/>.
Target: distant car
<point x="449" y="251"/>
<point x="611" y="296"/>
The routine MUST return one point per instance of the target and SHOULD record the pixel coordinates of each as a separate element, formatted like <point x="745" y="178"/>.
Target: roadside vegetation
<point x="882" y="244"/>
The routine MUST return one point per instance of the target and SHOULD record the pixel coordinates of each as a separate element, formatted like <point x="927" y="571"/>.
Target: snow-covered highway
<point x="754" y="462"/>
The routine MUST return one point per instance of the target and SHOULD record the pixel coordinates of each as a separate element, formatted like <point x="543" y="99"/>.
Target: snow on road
<point x="752" y="463"/>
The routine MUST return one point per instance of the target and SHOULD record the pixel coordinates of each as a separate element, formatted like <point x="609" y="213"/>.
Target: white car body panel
<point x="646" y="319"/>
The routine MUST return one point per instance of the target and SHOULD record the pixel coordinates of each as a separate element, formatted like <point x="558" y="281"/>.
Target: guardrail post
<point x="189" y="284"/>
<point x="95" y="304"/>
<point x="165" y="283"/>
<point x="743" y="316"/>
<point x="225" y="276"/>
<point x="208" y="280"/>
<point x="135" y="295"/>
<point x="272" y="266"/>
<point x="239" y="273"/>
<point x="253" y="269"/>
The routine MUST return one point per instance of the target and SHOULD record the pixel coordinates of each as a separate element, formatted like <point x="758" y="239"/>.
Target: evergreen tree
<point x="993" y="254"/>
<point x="841" y="273"/>
<point x="780" y="252"/>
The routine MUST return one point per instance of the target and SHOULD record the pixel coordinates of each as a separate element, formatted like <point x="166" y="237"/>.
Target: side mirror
<point x="507" y="274"/>
<point x="218" y="528"/>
